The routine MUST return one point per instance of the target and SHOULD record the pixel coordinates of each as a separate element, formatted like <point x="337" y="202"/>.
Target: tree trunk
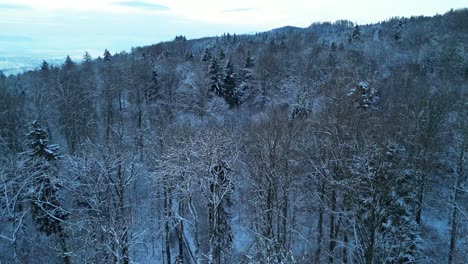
<point x="422" y="184"/>
<point x="318" y="252"/>
<point x="180" y="237"/>
<point x="215" y="251"/>
<point x="283" y="241"/>
<point x="345" y="229"/>
<point x="345" y="249"/>
<point x="108" y="119"/>
<point x="332" y="233"/>
<point x="369" y="253"/>
<point x="139" y="125"/>
<point x="269" y="222"/>
<point x="456" y="193"/>
<point x="167" y="212"/>
<point x="195" y="231"/>
<point x="63" y="245"/>
<point x="121" y="210"/>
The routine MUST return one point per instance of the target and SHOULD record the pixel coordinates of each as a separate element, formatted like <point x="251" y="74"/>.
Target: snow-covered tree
<point x="107" y="55"/>
<point x="216" y="84"/>
<point x="247" y="87"/>
<point x="206" y="56"/>
<point x="385" y="215"/>
<point x="397" y="29"/>
<point x="196" y="168"/>
<point x="221" y="55"/>
<point x="229" y="86"/>
<point x="365" y="96"/>
<point x="153" y="89"/>
<point x="44" y="184"/>
<point x="460" y="188"/>
<point x="356" y="32"/>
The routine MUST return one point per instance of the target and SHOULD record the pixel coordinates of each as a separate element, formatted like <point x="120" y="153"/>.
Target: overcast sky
<point x="60" y="27"/>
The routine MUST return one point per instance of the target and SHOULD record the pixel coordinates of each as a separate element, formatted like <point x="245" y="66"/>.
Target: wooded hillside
<point x="336" y="143"/>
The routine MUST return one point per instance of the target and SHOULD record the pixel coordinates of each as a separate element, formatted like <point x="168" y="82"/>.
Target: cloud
<point x="13" y="7"/>
<point x="142" y="5"/>
<point x="237" y="10"/>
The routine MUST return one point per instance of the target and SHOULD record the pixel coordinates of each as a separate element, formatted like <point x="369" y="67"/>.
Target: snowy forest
<point x="335" y="143"/>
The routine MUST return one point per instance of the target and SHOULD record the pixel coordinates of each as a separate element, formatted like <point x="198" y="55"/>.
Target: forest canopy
<point x="336" y="143"/>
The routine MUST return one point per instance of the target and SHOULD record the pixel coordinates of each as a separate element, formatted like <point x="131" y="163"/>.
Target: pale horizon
<point x="55" y="29"/>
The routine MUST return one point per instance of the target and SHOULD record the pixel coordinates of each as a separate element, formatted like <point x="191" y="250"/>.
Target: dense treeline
<point x="337" y="143"/>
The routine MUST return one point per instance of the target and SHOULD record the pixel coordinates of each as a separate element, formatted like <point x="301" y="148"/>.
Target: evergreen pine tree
<point x="246" y="87"/>
<point x="386" y="210"/>
<point x="397" y="30"/>
<point x="206" y="56"/>
<point x="247" y="75"/>
<point x="107" y="55"/>
<point x="333" y="47"/>
<point x="215" y="78"/>
<point x="69" y="64"/>
<point x="189" y="56"/>
<point x="46" y="208"/>
<point x="356" y="32"/>
<point x="249" y="62"/>
<point x="365" y="96"/>
<point x="153" y="89"/>
<point x="87" y="59"/>
<point x="332" y="55"/>
<point x="221" y="55"/>
<point x="87" y="75"/>
<point x="44" y="66"/>
<point x="229" y="85"/>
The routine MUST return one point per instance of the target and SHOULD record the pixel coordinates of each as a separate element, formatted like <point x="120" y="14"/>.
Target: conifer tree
<point x="87" y="58"/>
<point x="332" y="55"/>
<point x="206" y="56"/>
<point x="88" y="77"/>
<point x="107" y="55"/>
<point x="108" y="91"/>
<point x="385" y="211"/>
<point x="249" y="62"/>
<point x="221" y="55"/>
<point x="356" y="33"/>
<point x="397" y="30"/>
<point x="153" y="89"/>
<point x="46" y="207"/>
<point x="189" y="56"/>
<point x="44" y="66"/>
<point x="215" y="78"/>
<point x="229" y="85"/>
<point x="247" y="88"/>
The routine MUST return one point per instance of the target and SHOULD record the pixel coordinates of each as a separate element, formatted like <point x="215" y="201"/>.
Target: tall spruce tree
<point x="206" y="56"/>
<point x="46" y="207"/>
<point x="230" y="93"/>
<point x="107" y="55"/>
<point x="356" y="32"/>
<point x="215" y="78"/>
<point x="152" y="91"/>
<point x="221" y="55"/>
<point x="44" y="66"/>
<point x="249" y="62"/>
<point x="246" y="89"/>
